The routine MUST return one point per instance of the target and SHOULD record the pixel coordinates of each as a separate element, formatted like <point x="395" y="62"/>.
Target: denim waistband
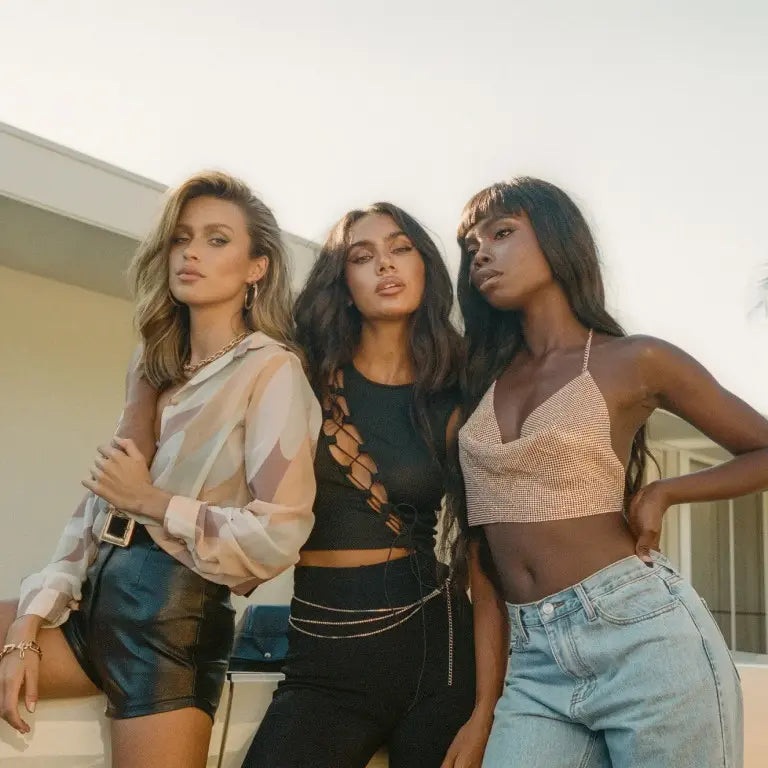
<point x="580" y="596"/>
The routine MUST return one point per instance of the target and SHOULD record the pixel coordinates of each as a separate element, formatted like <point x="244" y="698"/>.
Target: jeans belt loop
<point x="586" y="603"/>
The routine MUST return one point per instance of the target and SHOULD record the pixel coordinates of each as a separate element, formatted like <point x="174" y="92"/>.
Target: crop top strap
<point x="586" y="351"/>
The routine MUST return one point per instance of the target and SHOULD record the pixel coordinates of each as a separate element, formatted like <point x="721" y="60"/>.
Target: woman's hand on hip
<point x="645" y="517"/>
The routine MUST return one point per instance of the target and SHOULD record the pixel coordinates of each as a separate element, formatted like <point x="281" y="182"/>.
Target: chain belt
<point x="399" y="614"/>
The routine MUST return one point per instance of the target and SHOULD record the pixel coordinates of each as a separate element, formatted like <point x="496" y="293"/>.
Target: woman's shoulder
<point x="644" y="358"/>
<point x="637" y="348"/>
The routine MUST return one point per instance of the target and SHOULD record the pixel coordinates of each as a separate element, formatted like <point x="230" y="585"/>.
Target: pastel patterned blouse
<point x="236" y="449"/>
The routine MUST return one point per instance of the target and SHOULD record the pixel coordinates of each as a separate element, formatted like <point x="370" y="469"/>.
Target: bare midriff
<point x="535" y="560"/>
<point x="350" y="558"/>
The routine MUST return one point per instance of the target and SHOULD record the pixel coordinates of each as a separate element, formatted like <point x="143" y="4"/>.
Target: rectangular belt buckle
<point x="118" y="528"/>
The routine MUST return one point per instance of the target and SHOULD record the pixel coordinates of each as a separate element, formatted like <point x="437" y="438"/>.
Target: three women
<point x="556" y="519"/>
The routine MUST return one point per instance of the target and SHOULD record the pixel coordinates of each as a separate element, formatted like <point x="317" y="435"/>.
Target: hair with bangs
<point x="493" y="337"/>
<point x="163" y="323"/>
<point x="328" y="324"/>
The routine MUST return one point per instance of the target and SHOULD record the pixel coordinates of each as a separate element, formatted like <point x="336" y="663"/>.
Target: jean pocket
<point x="518" y="638"/>
<point x="639" y="600"/>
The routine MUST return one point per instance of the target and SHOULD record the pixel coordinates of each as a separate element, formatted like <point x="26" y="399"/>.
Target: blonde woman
<point x="136" y="600"/>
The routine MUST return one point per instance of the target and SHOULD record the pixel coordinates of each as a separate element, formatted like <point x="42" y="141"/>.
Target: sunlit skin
<point x="209" y="268"/>
<point x="385" y="277"/>
<point x="384" y="271"/>
<point x="636" y="375"/>
<point x="509" y="268"/>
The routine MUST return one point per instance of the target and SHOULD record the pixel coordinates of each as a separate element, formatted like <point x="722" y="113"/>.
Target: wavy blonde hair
<point x="163" y="323"/>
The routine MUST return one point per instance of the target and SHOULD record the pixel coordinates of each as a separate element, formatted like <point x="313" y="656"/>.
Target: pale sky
<point x="654" y="116"/>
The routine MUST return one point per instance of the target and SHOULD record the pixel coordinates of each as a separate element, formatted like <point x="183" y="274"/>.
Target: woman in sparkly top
<point x="614" y="658"/>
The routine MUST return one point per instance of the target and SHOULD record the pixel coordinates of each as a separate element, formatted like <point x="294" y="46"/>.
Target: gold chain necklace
<point x="190" y="369"/>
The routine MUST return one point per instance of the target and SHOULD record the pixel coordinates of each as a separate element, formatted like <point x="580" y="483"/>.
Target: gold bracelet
<point x="22" y="648"/>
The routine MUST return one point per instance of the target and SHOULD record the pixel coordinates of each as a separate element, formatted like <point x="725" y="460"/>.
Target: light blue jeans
<point x="627" y="668"/>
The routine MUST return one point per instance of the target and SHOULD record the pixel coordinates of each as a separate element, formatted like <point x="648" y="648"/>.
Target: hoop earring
<point x="251" y="292"/>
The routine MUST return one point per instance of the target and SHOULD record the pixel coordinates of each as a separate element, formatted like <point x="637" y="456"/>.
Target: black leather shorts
<point x="151" y="633"/>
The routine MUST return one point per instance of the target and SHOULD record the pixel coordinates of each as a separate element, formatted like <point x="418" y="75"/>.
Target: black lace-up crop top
<point x="378" y="483"/>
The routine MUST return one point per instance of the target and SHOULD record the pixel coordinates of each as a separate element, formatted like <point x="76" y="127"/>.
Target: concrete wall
<point x="63" y="352"/>
<point x="754" y="680"/>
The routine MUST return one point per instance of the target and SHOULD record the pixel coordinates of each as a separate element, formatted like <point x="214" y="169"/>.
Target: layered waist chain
<point x="367" y="622"/>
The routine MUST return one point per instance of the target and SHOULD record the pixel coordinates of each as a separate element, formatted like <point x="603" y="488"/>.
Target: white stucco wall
<point x="63" y="352"/>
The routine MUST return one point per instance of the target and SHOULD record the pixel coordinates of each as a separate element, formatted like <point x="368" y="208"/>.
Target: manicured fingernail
<point x="31" y="706"/>
<point x="649" y="563"/>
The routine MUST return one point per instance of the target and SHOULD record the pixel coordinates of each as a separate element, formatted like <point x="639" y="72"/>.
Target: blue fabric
<point x="261" y="643"/>
<point x="626" y="669"/>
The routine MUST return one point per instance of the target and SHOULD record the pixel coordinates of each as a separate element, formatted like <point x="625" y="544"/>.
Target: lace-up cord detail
<point x="346" y="444"/>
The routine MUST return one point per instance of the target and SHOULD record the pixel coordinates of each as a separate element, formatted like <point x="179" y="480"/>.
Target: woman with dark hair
<point x="381" y="649"/>
<point x="614" y="659"/>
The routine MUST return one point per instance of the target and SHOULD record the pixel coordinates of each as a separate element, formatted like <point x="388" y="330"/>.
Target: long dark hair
<point x="493" y="337"/>
<point x="328" y="324"/>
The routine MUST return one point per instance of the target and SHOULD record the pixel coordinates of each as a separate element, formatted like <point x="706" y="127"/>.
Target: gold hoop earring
<point x="251" y="292"/>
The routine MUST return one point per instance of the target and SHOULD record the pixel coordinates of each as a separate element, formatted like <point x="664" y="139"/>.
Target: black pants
<point x="342" y="699"/>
